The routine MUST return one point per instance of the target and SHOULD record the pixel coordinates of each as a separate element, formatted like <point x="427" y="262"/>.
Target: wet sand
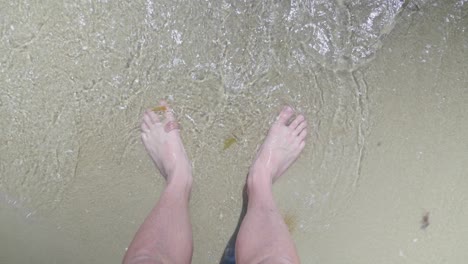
<point x="388" y="145"/>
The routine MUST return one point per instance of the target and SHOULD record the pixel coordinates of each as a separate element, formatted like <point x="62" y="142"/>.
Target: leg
<point x="263" y="236"/>
<point x="166" y="235"/>
<point x="229" y="254"/>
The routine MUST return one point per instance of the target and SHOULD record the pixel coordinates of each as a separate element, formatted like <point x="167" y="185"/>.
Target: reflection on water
<point x="74" y="71"/>
<point x="76" y="76"/>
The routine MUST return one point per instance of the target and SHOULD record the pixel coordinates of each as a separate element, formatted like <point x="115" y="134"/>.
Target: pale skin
<point x="166" y="234"/>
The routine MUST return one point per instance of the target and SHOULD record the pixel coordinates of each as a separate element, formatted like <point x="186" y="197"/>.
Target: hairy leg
<point x="166" y="234"/>
<point x="263" y="236"/>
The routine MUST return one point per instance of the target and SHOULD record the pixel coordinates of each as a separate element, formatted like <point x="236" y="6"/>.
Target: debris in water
<point x="159" y="109"/>
<point x="291" y="221"/>
<point x="425" y="220"/>
<point x="229" y="141"/>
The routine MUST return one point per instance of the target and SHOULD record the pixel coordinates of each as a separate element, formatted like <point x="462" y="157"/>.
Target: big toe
<point x="285" y="115"/>
<point x="170" y="118"/>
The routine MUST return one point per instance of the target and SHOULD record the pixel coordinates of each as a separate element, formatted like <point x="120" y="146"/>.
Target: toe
<point x="297" y="121"/>
<point x="171" y="125"/>
<point x="301" y="127"/>
<point x="147" y="120"/>
<point x="302" y="145"/>
<point x="285" y="115"/>
<point x="144" y="127"/>
<point x="153" y="116"/>
<point x="302" y="135"/>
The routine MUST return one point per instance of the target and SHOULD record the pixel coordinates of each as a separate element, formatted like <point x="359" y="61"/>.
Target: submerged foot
<point x="161" y="137"/>
<point x="282" y="146"/>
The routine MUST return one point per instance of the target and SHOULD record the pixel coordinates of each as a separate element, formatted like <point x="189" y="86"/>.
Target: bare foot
<point x="282" y="145"/>
<point x="161" y="137"/>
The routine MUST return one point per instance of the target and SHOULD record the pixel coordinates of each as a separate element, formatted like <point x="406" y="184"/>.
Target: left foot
<point x="282" y="146"/>
<point x="162" y="141"/>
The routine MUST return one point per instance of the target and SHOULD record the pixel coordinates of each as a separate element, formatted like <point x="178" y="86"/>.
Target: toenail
<point x="171" y="125"/>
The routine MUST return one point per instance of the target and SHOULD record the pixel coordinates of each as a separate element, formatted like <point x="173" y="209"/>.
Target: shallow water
<point x="383" y="85"/>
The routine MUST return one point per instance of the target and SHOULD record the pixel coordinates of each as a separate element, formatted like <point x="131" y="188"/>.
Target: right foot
<point x="281" y="147"/>
<point x="163" y="143"/>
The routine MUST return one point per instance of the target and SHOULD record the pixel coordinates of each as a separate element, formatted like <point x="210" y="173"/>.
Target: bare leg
<point x="263" y="236"/>
<point x="166" y="234"/>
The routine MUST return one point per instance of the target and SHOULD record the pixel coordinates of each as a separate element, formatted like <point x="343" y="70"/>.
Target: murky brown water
<point x="382" y="83"/>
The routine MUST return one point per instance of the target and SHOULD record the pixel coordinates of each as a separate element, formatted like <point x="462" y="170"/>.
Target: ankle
<point x="180" y="179"/>
<point x="259" y="178"/>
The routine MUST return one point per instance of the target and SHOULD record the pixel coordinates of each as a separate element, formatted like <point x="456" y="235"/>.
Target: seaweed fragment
<point x="291" y="221"/>
<point x="228" y="142"/>
<point x="161" y="108"/>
